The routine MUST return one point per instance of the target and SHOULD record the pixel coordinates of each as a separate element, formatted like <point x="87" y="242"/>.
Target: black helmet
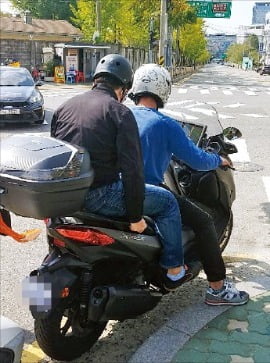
<point x="116" y="65"/>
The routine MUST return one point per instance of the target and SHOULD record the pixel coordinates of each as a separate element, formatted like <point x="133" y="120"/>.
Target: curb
<point x="163" y="345"/>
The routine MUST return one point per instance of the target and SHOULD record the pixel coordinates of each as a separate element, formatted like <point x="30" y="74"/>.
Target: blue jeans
<point x="159" y="204"/>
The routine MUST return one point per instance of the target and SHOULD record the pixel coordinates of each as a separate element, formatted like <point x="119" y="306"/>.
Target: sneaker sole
<point x="225" y="303"/>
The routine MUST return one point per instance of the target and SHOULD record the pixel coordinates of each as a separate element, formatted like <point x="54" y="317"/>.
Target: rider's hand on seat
<point x="138" y="226"/>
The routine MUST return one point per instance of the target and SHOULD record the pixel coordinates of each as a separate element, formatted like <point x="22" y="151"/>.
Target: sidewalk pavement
<point x="207" y="334"/>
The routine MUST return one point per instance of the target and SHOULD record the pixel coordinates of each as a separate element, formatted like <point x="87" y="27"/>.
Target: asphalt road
<point x="242" y="100"/>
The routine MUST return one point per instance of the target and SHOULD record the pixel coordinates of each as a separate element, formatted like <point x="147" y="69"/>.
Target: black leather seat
<point x="120" y="223"/>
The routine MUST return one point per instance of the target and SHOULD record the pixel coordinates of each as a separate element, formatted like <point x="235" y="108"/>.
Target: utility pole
<point x="151" y="39"/>
<point x="163" y="39"/>
<point x="98" y="15"/>
<point x="97" y="31"/>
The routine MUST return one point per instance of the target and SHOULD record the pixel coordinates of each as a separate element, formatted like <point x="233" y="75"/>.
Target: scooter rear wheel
<point x="62" y="337"/>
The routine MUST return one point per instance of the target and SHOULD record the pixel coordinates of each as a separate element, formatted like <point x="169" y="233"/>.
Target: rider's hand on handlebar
<point x="225" y="162"/>
<point x="138" y="226"/>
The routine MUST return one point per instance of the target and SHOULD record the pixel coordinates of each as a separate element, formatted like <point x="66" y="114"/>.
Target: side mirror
<point x="39" y="83"/>
<point x="232" y="133"/>
<point x="6" y="355"/>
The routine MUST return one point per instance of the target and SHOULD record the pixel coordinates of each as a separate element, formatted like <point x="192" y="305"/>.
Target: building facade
<point x="25" y="39"/>
<point x="217" y="44"/>
<point x="259" y="11"/>
<point x="266" y="44"/>
<point x="255" y="29"/>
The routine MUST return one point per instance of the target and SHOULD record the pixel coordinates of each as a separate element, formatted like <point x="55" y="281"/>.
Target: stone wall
<point x="27" y="52"/>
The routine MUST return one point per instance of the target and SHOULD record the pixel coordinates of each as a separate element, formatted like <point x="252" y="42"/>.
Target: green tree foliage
<point x="127" y="21"/>
<point x="122" y="21"/>
<point x="180" y="13"/>
<point x="249" y="48"/>
<point x="253" y="42"/>
<point x="193" y="43"/>
<point x="46" y="9"/>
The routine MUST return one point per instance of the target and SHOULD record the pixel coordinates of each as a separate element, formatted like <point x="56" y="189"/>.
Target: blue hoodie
<point x="161" y="137"/>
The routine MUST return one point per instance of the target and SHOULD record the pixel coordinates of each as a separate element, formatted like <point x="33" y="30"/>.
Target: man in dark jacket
<point x="98" y="121"/>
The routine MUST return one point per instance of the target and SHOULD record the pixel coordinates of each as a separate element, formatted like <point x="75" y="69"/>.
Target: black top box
<point x="43" y="177"/>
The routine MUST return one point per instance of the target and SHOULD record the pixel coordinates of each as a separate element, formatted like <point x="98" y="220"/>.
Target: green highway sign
<point x="212" y="9"/>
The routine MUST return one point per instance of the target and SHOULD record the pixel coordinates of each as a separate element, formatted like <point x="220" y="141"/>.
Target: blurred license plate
<point x="10" y="111"/>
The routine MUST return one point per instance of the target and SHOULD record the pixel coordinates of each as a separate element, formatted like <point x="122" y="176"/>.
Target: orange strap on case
<point x="26" y="236"/>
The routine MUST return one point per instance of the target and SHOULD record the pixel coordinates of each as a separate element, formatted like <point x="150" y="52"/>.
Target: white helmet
<point x="154" y="80"/>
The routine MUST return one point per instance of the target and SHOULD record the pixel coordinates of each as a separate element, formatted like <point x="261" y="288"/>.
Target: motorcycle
<point x="98" y="270"/>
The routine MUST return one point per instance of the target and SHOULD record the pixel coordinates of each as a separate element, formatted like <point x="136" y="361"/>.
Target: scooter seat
<point x="119" y="223"/>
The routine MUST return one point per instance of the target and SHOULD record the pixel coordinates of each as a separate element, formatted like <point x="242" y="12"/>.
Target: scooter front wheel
<point x="62" y="337"/>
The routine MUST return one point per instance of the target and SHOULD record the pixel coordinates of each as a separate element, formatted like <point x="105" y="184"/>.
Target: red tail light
<point x="85" y="235"/>
<point x="58" y="242"/>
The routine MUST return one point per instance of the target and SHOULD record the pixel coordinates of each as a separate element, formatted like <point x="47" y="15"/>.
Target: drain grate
<point x="247" y="167"/>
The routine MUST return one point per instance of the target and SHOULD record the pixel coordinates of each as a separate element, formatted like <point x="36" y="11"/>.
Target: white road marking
<point x="235" y="105"/>
<point x="182" y="115"/>
<point x="227" y="92"/>
<point x="213" y="103"/>
<point x="255" y="115"/>
<point x="266" y="182"/>
<point x="225" y="117"/>
<point x="250" y="93"/>
<point x="204" y="111"/>
<point x="182" y="90"/>
<point x="242" y="155"/>
<point x="178" y="102"/>
<point x="205" y="91"/>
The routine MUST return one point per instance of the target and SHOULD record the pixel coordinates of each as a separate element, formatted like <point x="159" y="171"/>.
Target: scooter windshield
<point x="196" y="118"/>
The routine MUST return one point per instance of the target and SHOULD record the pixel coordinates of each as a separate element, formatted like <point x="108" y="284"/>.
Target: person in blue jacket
<point x="161" y="137"/>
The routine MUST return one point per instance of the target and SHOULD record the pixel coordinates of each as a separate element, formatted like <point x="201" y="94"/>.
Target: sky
<point x="241" y="15"/>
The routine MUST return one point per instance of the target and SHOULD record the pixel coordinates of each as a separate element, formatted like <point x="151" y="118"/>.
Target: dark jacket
<point x="108" y="130"/>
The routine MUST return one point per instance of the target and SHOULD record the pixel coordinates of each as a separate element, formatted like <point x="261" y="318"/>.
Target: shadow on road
<point x="122" y="339"/>
<point x="19" y="128"/>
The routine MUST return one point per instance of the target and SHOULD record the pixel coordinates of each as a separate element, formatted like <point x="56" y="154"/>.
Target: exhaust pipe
<point x="120" y="303"/>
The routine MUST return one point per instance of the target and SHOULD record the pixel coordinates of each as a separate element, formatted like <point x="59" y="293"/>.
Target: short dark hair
<point x="109" y="79"/>
<point x="136" y="98"/>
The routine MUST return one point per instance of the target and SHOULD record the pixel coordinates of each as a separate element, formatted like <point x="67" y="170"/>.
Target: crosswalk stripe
<point x="226" y="92"/>
<point x="250" y="93"/>
<point x="182" y="90"/>
<point x="242" y="155"/>
<point x="266" y="182"/>
<point x="205" y="91"/>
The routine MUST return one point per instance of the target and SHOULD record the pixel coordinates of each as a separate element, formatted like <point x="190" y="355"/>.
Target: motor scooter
<point x="98" y="270"/>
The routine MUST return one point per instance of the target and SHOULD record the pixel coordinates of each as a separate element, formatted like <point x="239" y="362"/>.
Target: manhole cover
<point x="247" y="167"/>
